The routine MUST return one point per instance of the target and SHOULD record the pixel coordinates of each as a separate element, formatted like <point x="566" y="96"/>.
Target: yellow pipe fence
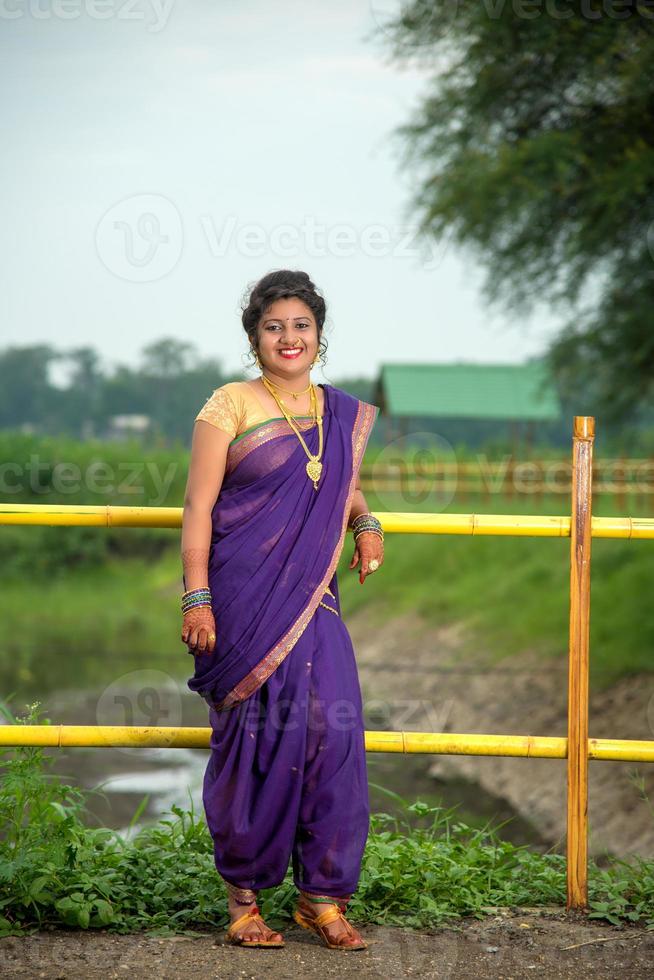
<point x="518" y="746"/>
<point x="577" y="748"/>
<point x="518" y="525"/>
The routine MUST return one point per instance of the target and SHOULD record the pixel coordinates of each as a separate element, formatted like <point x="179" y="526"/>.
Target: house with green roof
<point x="479" y="400"/>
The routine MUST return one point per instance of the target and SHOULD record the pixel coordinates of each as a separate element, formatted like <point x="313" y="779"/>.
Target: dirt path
<point x="414" y="678"/>
<point x="508" y="945"/>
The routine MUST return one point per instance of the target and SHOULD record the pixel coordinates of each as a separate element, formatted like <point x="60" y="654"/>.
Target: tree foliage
<point x="169" y="383"/>
<point x="535" y="147"/>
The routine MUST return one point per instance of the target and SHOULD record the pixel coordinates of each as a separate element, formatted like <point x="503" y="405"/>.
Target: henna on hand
<point x="368" y="545"/>
<point x="194" y="559"/>
<point x="198" y="625"/>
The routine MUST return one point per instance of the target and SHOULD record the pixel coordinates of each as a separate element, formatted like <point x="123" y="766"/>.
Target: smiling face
<point x="288" y="324"/>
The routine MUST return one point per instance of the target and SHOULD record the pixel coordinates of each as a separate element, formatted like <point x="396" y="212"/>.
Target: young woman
<point x="273" y="487"/>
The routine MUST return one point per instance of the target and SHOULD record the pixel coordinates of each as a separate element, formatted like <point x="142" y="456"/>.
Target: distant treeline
<point x="168" y="382"/>
<point x="70" y="393"/>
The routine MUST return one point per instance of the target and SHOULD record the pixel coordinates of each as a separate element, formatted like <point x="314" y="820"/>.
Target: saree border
<point x="366" y="414"/>
<point x="260" y="434"/>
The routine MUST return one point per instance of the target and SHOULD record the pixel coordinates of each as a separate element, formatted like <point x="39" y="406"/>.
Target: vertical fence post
<point x="580" y="542"/>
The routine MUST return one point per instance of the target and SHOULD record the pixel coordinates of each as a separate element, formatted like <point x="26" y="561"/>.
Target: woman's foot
<point x="340" y="932"/>
<point x="252" y="929"/>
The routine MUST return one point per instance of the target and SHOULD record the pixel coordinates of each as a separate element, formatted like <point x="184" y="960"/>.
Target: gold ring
<point x="212" y="636"/>
<point x="373" y="565"/>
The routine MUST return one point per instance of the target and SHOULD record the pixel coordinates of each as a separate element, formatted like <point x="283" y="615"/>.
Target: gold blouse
<point x="235" y="408"/>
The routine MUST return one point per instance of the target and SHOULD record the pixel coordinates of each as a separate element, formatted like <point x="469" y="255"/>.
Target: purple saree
<point x="286" y="777"/>
<point x="275" y="543"/>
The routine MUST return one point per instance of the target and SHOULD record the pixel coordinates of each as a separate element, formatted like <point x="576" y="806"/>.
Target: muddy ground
<point x="415" y="677"/>
<point x="509" y="945"/>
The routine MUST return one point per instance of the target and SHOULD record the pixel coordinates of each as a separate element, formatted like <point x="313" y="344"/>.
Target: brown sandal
<point x="317" y="923"/>
<point x="252" y="913"/>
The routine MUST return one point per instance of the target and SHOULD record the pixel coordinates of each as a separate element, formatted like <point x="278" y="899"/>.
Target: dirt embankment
<point x="418" y="674"/>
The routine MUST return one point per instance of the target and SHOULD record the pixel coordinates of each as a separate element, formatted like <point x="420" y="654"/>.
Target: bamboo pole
<point x="518" y="525"/>
<point x="580" y="545"/>
<point x="435" y="743"/>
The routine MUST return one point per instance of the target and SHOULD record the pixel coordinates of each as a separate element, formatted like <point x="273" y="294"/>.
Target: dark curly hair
<point x="279" y="285"/>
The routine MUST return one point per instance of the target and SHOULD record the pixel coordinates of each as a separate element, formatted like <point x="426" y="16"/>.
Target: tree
<point x="175" y="381"/>
<point x="81" y="408"/>
<point x="25" y="390"/>
<point x="537" y="140"/>
<point x="167" y="358"/>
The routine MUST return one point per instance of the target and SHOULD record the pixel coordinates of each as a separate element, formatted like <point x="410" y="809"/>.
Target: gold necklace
<point x="313" y="466"/>
<point x="288" y="390"/>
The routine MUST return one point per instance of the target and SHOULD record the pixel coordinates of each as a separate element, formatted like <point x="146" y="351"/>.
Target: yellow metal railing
<point x="519" y="525"/>
<point x="152" y="736"/>
<point x="577" y="748"/>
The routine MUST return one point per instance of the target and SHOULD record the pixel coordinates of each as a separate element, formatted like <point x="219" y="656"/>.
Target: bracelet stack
<point x="366" y="522"/>
<point x="195" y="597"/>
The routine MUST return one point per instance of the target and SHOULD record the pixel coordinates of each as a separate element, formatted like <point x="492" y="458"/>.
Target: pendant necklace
<point x="313" y="466"/>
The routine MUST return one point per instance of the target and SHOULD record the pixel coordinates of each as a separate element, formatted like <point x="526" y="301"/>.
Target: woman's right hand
<point x="199" y="630"/>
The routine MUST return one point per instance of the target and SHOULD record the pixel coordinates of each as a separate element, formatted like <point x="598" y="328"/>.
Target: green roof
<point x="471" y="391"/>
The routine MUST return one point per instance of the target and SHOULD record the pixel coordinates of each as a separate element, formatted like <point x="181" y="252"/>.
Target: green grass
<point x="77" y="599"/>
<point x="80" y="628"/>
<point x="513" y="592"/>
<point x="419" y="872"/>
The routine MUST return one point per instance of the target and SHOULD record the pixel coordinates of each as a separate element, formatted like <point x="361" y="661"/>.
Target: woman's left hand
<point x="368" y="546"/>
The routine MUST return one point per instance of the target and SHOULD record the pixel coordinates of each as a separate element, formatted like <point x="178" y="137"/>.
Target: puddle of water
<point x="119" y="778"/>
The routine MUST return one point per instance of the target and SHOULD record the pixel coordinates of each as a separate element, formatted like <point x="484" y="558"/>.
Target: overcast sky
<point x="159" y="157"/>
